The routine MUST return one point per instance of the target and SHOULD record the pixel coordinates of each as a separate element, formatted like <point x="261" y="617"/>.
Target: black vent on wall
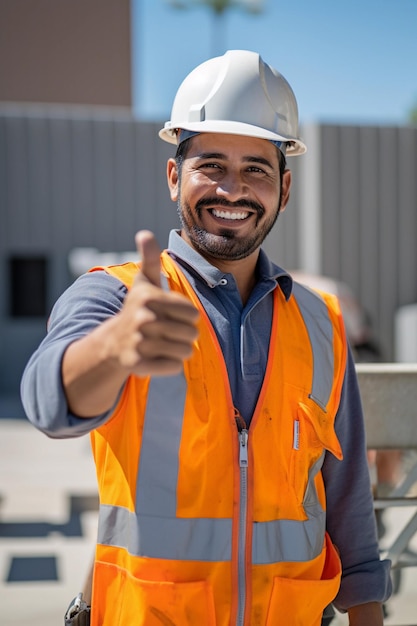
<point x="28" y="286"/>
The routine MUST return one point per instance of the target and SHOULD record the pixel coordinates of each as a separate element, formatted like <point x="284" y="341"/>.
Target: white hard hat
<point x="239" y="94"/>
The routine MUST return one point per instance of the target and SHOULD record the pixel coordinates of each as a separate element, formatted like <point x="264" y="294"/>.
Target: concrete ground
<point x="48" y="524"/>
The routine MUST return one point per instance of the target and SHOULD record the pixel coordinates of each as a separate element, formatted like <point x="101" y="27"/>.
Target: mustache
<point x="238" y="204"/>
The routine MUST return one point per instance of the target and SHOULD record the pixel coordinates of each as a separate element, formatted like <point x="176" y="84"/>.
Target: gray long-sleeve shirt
<point x="243" y="332"/>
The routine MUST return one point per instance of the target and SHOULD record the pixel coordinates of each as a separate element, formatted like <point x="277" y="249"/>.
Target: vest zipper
<point x="243" y="508"/>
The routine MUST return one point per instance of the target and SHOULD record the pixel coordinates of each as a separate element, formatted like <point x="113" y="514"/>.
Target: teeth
<point x="226" y="215"/>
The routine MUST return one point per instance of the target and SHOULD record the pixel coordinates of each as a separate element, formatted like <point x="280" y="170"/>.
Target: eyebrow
<point x="246" y="159"/>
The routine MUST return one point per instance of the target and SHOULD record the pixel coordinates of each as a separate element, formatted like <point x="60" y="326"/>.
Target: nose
<point x="232" y="186"/>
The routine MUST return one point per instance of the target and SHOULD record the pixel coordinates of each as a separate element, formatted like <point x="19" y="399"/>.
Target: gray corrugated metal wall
<point x="80" y="181"/>
<point x="369" y="217"/>
<point x="71" y="178"/>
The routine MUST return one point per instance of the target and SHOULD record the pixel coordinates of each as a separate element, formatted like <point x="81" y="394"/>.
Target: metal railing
<point x="389" y="399"/>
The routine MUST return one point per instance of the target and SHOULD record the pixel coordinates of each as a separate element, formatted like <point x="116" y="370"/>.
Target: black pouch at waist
<point x="78" y="612"/>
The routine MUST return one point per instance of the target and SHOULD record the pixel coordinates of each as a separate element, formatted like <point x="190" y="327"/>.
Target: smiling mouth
<point x="230" y="215"/>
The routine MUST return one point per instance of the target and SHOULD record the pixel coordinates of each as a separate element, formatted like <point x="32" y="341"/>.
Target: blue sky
<point x="347" y="61"/>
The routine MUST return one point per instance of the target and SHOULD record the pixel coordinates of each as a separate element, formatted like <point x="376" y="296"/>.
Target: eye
<point x="258" y="172"/>
<point x="256" y="169"/>
<point x="209" y="166"/>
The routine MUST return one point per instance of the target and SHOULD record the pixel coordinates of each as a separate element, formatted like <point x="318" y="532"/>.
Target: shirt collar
<point x="180" y="250"/>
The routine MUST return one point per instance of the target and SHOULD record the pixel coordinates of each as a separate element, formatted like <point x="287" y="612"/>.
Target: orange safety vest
<point x="203" y="522"/>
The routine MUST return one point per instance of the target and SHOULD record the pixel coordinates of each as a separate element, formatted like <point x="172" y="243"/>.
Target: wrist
<point x="369" y="614"/>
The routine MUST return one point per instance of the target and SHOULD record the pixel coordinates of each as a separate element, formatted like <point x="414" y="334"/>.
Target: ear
<point x="172" y="178"/>
<point x="286" y="185"/>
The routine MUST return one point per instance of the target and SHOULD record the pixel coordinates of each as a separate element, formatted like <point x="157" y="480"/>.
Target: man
<point x="221" y="397"/>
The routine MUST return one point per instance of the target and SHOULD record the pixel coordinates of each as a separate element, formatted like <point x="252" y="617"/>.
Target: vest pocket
<point x="120" y="599"/>
<point x="313" y="434"/>
<point x="307" y="451"/>
<point x="301" y="602"/>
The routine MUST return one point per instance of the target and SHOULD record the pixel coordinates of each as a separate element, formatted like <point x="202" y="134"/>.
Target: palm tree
<point x="219" y="8"/>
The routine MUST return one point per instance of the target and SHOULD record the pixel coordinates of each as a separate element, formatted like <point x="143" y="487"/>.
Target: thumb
<point x="149" y="253"/>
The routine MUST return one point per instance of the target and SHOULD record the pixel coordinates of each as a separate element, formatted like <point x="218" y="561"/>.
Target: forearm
<point x="91" y="377"/>
<point x="350" y="513"/>
<point x="151" y="335"/>
<point x="369" y="614"/>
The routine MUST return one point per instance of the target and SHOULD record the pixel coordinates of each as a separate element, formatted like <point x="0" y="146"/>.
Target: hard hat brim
<point x="295" y="146"/>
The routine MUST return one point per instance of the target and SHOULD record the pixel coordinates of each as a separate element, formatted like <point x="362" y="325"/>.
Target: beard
<point x="227" y="244"/>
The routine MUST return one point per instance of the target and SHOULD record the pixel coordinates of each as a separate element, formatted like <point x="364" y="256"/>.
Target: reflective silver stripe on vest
<point x="195" y="539"/>
<point x="290" y="540"/>
<point x="203" y="539"/>
<point x="155" y="531"/>
<point x="320" y="330"/>
<point x="156" y="489"/>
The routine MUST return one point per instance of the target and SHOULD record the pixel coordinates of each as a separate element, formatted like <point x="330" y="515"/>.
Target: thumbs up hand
<point x="156" y="328"/>
<point x="150" y="254"/>
<point x="151" y="335"/>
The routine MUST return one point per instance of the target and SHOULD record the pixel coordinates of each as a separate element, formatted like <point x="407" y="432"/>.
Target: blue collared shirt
<point x="243" y="330"/>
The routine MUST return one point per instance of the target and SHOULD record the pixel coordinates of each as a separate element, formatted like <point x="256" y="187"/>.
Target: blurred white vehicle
<point x="357" y="323"/>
